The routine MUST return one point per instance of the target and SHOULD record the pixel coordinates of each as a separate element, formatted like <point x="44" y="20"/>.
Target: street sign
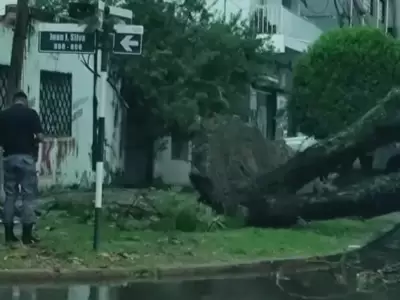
<point x="128" y="39"/>
<point x="128" y="43"/>
<point x="66" y="42"/>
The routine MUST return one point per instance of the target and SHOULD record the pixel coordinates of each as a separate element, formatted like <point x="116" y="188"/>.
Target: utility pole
<point x="18" y="48"/>
<point x="16" y="65"/>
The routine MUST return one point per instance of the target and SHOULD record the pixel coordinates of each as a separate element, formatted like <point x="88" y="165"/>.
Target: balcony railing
<point x="276" y="19"/>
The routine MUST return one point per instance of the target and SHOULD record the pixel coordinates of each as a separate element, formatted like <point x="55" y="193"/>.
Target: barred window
<point x="55" y="103"/>
<point x="3" y="85"/>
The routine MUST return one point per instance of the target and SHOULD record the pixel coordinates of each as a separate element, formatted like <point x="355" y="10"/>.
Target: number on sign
<point x="76" y="47"/>
<point x="59" y="46"/>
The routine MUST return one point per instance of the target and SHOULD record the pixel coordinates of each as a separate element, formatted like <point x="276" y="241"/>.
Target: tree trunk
<point x="369" y="198"/>
<point x="366" y="134"/>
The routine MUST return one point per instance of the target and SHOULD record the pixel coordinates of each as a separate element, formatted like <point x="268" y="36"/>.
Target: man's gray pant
<point x="20" y="180"/>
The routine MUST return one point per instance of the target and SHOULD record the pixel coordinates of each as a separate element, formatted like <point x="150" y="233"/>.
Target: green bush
<point x="147" y="209"/>
<point x="342" y="76"/>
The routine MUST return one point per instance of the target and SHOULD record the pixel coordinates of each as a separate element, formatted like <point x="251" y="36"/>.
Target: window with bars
<point x="55" y="103"/>
<point x="3" y="85"/>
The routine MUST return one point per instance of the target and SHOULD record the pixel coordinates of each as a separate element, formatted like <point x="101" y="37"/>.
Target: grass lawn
<point x="66" y="243"/>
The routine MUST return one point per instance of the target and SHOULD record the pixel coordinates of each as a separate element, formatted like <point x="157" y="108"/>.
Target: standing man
<point x="20" y="130"/>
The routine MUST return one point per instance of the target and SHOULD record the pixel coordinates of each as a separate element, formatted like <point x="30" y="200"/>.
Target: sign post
<point x="71" y="39"/>
<point x="105" y="37"/>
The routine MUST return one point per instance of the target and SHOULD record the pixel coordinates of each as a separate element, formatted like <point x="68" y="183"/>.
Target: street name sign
<point x="66" y="42"/>
<point x="128" y="39"/>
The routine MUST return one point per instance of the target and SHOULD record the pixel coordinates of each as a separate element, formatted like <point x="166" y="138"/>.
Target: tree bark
<point x="378" y="127"/>
<point x="369" y="198"/>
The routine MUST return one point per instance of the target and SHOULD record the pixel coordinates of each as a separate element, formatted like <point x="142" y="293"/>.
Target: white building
<point x="279" y="18"/>
<point x="60" y="88"/>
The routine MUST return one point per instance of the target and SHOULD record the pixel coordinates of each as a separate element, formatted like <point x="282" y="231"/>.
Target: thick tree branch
<point x="366" y="134"/>
<point x="369" y="198"/>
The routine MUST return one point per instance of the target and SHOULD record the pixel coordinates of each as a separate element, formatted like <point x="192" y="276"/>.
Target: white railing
<point x="267" y="19"/>
<point x="276" y="19"/>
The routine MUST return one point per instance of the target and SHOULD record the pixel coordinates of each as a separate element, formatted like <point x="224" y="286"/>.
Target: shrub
<point x="148" y="209"/>
<point x="340" y="77"/>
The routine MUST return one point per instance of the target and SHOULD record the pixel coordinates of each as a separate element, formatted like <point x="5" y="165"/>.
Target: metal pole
<point x="101" y="130"/>
<point x="96" y="56"/>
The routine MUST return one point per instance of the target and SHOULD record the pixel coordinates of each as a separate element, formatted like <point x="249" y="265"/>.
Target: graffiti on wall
<point x="54" y="152"/>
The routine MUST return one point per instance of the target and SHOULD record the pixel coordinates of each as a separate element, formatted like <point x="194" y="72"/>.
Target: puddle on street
<point x="310" y="285"/>
<point x="222" y="289"/>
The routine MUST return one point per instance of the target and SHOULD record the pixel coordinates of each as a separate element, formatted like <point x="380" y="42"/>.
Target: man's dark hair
<point x="20" y="95"/>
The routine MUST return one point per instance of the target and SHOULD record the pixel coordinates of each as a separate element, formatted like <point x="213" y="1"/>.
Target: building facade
<point x="60" y="88"/>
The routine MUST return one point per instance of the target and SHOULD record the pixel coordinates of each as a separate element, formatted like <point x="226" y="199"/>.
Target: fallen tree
<point x="270" y="198"/>
<point x="367" y="199"/>
<point x="227" y="155"/>
<point x="373" y="130"/>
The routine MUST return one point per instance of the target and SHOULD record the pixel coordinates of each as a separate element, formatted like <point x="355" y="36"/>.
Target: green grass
<point x="67" y="243"/>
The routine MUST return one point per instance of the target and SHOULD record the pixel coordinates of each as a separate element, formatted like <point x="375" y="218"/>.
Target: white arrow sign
<point x="127" y="43"/>
<point x="128" y="39"/>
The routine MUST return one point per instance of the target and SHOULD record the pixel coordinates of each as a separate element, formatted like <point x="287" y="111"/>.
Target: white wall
<point x="171" y="171"/>
<point x="67" y="160"/>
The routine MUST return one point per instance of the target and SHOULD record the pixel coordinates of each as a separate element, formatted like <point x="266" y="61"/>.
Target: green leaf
<point x="341" y="77"/>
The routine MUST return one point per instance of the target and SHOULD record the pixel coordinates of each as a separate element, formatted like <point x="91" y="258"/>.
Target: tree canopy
<point x="341" y="77"/>
<point x="193" y="63"/>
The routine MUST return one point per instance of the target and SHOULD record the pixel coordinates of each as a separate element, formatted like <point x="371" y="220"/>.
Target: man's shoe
<point x="9" y="233"/>
<point x="27" y="235"/>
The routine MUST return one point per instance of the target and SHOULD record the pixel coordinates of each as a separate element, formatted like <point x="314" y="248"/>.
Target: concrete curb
<point x="264" y="267"/>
